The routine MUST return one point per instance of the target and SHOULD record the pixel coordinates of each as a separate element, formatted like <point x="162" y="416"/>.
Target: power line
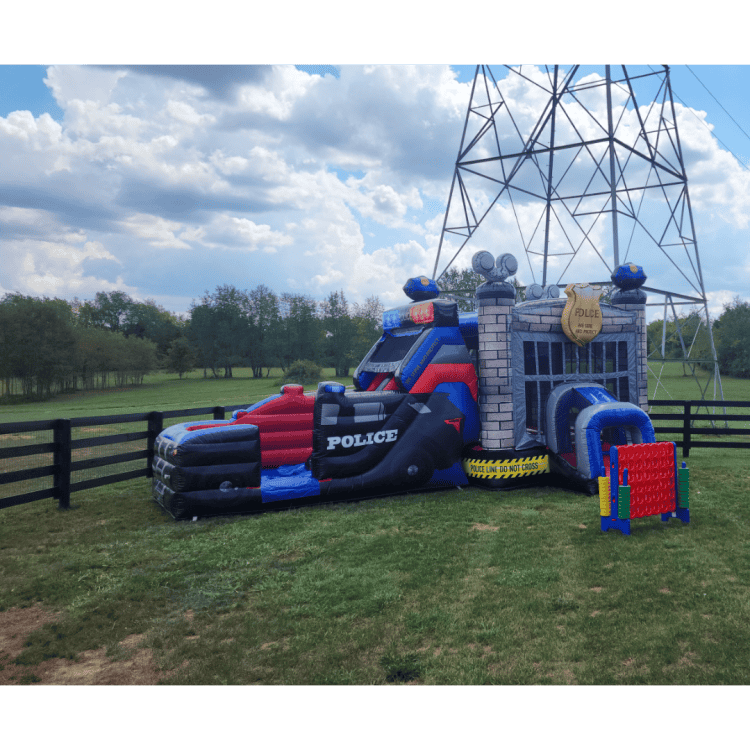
<point x="718" y="102"/>
<point x="676" y="95"/>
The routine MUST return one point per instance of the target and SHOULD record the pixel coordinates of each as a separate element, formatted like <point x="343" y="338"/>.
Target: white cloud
<point x="36" y="133"/>
<point x="83" y="83"/>
<point x="193" y="234"/>
<point x="383" y="203"/>
<point x="259" y="236"/>
<point x="157" y="231"/>
<point x="44" y="268"/>
<point x="719" y="299"/>
<point x="275" y="97"/>
<point x="229" y="165"/>
<point x="186" y="114"/>
<point x="324" y="183"/>
<point x="38" y="224"/>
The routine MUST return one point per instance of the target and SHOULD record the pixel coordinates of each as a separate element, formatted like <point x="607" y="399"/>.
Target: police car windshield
<point x="395" y="346"/>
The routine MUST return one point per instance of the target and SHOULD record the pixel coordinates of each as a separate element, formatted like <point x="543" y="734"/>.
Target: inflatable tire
<point x="412" y="469"/>
<point x="179" y="507"/>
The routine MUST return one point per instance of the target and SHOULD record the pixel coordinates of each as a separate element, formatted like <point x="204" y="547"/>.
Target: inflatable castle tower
<point x="527" y="349"/>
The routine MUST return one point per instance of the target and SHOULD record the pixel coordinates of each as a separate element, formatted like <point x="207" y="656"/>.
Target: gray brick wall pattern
<point x="498" y="319"/>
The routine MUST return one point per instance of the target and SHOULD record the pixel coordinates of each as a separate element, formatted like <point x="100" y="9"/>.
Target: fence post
<point x="219" y="412"/>
<point x="62" y="457"/>
<point x="686" y="431"/>
<point x="155" y="426"/>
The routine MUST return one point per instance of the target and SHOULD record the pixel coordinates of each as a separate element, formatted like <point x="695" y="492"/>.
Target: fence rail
<point x="65" y="454"/>
<point x="691" y="414"/>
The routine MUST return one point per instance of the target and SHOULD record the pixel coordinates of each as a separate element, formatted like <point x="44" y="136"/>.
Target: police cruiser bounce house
<point x="541" y="391"/>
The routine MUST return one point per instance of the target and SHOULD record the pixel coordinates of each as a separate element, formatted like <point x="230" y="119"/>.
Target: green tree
<point x="151" y="321"/>
<point x="36" y="336"/>
<point x="300" y="329"/>
<point x="180" y="357"/>
<point x="340" y="333"/>
<point x="232" y="326"/>
<point x="263" y="340"/>
<point x="140" y="359"/>
<point x="687" y="336"/>
<point x="301" y="372"/>
<point x="368" y="321"/>
<point x="92" y="356"/>
<point x="201" y="335"/>
<point x="520" y="290"/>
<point x="732" y="333"/>
<point x="107" y="310"/>
<point x="219" y="329"/>
<point x="461" y="285"/>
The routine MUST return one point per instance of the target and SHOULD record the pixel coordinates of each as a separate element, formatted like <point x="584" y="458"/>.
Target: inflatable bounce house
<point x="542" y="391"/>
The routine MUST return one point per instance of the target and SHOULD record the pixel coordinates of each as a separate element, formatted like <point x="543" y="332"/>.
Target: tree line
<point x="49" y="346"/>
<point x="261" y="330"/>
<point x="731" y="333"/>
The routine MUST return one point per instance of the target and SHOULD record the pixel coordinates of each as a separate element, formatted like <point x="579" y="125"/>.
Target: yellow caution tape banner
<point x="508" y="468"/>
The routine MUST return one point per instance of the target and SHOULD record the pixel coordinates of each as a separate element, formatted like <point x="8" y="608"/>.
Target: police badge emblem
<point x="582" y="316"/>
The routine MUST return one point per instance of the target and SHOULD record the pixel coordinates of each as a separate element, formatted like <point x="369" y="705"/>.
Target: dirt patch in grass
<point x="94" y="668"/>
<point x="562" y="676"/>
<point x="91" y="667"/>
<point x="483" y="527"/>
<point x="631" y="669"/>
<point x="684" y="662"/>
<point x="486" y="650"/>
<point x="16" y="624"/>
<point x="283" y="645"/>
<point x="558" y="673"/>
<point x="133" y="641"/>
<point x="502" y="669"/>
<point x="689" y="660"/>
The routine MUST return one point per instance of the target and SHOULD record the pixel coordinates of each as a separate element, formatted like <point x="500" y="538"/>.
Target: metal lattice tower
<point x="577" y="170"/>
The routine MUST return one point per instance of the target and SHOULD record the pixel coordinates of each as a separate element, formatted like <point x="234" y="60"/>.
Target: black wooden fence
<point x="701" y="418"/>
<point x="60" y="452"/>
<point x="54" y="444"/>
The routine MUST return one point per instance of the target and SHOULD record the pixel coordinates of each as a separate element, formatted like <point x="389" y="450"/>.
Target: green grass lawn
<point x="163" y="392"/>
<point x="159" y="392"/>
<point x="452" y="588"/>
<point x="462" y="587"/>
<point x="671" y="381"/>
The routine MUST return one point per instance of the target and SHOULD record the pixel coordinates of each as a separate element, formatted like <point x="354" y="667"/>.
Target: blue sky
<point x="167" y="181"/>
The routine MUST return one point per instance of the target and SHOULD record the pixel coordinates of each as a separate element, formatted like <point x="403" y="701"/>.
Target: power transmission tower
<point x="576" y="170"/>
